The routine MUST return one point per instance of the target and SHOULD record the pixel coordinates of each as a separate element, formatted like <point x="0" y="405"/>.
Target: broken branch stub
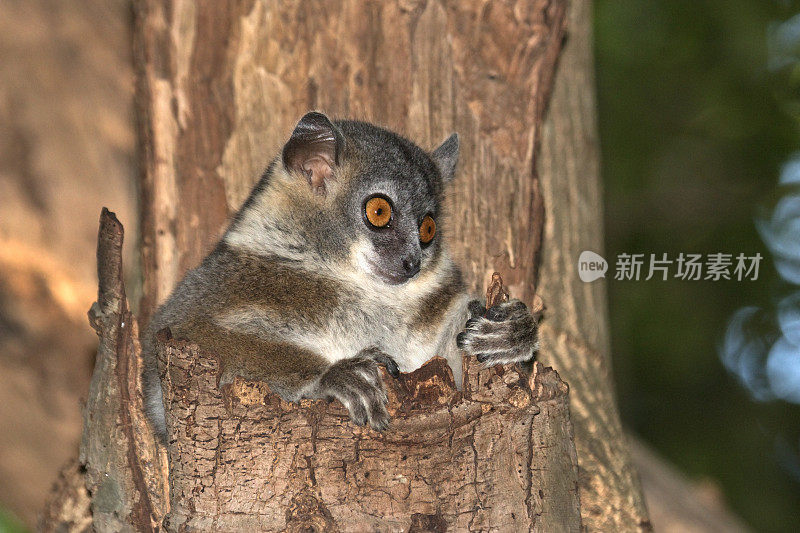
<point x="497" y="455"/>
<point x="118" y="482"/>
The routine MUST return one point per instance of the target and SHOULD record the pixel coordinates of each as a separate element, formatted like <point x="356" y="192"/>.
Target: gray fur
<point x="302" y="293"/>
<point x="446" y="158"/>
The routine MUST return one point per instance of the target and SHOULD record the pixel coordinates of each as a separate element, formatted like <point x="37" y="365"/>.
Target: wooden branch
<point x="496" y="293"/>
<point x="124" y="471"/>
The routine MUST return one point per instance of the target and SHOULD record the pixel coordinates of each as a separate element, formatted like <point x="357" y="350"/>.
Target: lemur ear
<point x="314" y="150"/>
<point x="446" y="157"/>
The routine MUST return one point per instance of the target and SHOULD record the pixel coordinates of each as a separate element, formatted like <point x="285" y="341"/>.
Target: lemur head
<point x="351" y="191"/>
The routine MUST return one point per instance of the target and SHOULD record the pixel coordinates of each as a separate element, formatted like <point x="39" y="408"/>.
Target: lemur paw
<point x="506" y="333"/>
<point x="382" y="358"/>
<point x="357" y="383"/>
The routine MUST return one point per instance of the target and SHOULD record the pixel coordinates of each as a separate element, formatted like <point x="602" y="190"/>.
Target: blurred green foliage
<point x="9" y="524"/>
<point x="694" y="128"/>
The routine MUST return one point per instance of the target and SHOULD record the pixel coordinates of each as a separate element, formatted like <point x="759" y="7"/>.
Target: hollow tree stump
<point x="497" y="456"/>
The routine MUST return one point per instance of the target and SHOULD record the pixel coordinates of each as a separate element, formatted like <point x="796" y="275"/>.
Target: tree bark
<point x="497" y="457"/>
<point x="219" y="87"/>
<point x="119" y="482"/>
<point x="574" y="334"/>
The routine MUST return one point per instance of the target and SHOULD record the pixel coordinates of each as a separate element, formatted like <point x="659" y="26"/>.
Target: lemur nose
<point x="411" y="266"/>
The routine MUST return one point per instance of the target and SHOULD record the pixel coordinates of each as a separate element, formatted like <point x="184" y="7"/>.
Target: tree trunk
<point x="574" y="334"/>
<point x="219" y="87"/>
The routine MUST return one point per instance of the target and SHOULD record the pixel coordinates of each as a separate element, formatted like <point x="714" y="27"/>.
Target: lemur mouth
<point x="389" y="278"/>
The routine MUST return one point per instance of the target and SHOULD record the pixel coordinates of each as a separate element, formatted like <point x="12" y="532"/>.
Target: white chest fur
<point x="380" y="317"/>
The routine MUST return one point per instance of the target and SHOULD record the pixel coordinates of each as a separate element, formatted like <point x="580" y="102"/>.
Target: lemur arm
<point x="294" y="372"/>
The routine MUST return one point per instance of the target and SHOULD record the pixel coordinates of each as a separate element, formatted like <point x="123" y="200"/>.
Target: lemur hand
<point x="357" y="383"/>
<point x="506" y="333"/>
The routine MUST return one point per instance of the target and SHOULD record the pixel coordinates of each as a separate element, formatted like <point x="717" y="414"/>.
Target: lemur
<point x="337" y="262"/>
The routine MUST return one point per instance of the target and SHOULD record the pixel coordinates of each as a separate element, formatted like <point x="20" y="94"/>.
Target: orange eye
<point x="427" y="230"/>
<point x="378" y="211"/>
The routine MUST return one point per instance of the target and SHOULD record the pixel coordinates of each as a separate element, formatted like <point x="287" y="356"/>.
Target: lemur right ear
<point x="446" y="157"/>
<point x="314" y="150"/>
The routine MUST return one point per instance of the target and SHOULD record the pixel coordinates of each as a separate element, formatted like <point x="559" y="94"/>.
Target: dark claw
<point x="482" y="357"/>
<point x="383" y="359"/>
<point x="392" y="368"/>
<point x="471" y="322"/>
<point x="460" y="338"/>
<point x="380" y="425"/>
<point x="356" y="382"/>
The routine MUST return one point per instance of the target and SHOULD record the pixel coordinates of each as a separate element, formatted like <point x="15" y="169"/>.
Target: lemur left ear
<point x="446" y="157"/>
<point x="314" y="150"/>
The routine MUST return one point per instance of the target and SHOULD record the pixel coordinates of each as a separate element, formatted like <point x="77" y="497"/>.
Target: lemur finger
<point x="368" y="369"/>
<point x="506" y="310"/>
<point x="476" y="308"/>
<point x="516" y="355"/>
<point x="382" y="358"/>
<point x="357" y="383"/>
<point x="377" y="414"/>
<point x="461" y="339"/>
<point x="352" y="402"/>
<point x="480" y="343"/>
<point x="358" y="413"/>
<point x="524" y="332"/>
<point x="477" y="328"/>
<point x="373" y="399"/>
<point x="510" y="340"/>
<point x="362" y="365"/>
<point x="363" y="400"/>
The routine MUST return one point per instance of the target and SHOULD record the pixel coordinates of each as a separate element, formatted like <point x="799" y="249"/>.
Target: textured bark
<point x="575" y="333"/>
<point x="500" y="457"/>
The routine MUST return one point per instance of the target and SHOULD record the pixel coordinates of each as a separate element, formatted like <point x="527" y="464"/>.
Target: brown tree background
<point x="221" y="85"/>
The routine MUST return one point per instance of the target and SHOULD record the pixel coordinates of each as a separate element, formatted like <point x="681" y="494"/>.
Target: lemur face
<point x="388" y="190"/>
<point x="394" y="203"/>
<point x="400" y="229"/>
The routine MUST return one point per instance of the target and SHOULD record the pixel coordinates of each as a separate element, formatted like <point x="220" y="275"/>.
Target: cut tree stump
<point x="498" y="456"/>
